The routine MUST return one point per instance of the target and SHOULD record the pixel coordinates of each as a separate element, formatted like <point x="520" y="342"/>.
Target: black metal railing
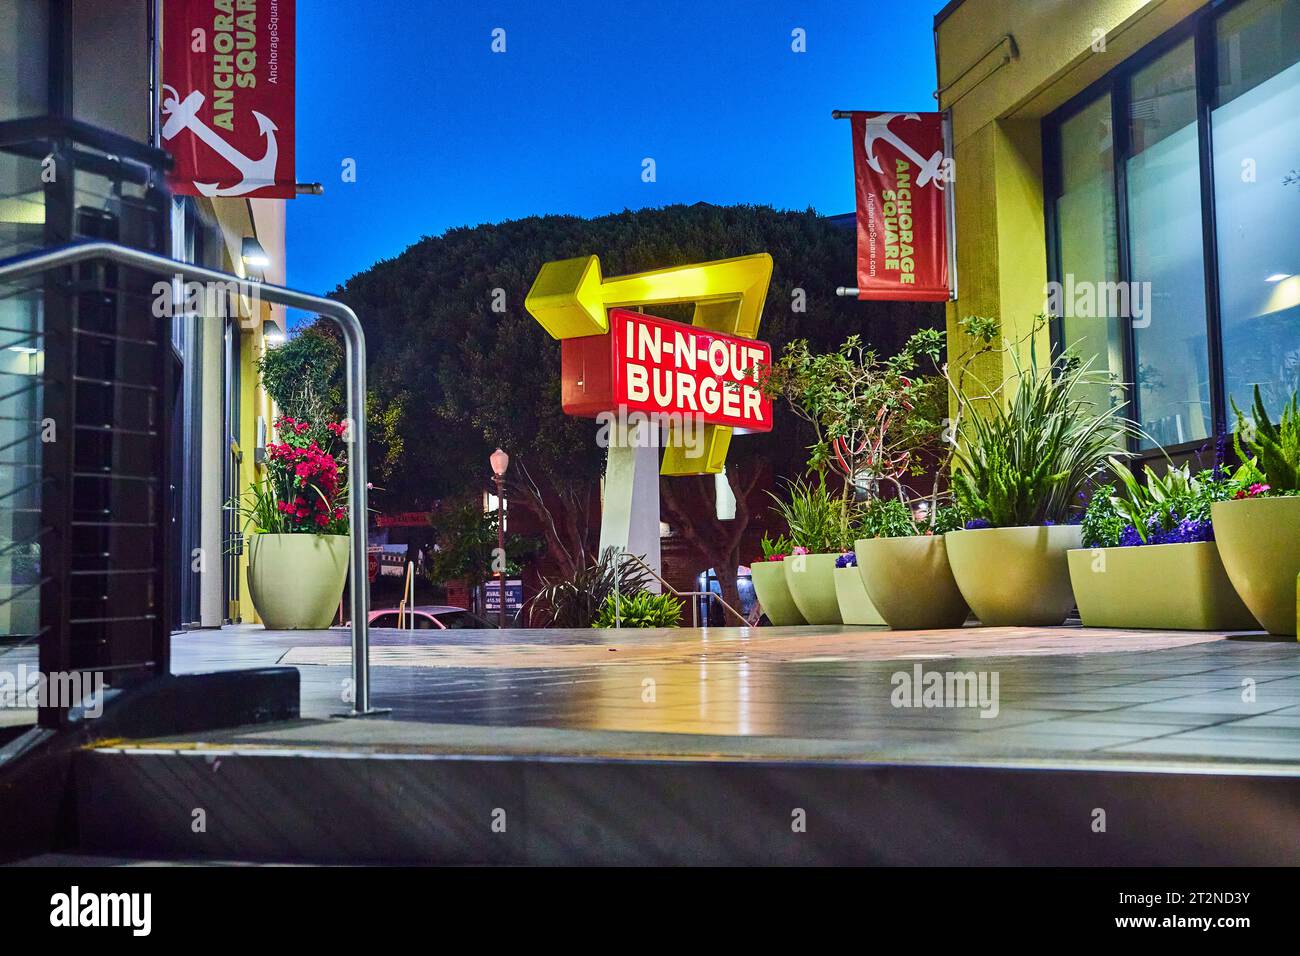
<point x="85" y="400"/>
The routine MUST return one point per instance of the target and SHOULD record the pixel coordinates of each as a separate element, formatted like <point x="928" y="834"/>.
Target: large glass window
<point x="24" y="64"/>
<point x="23" y="80"/>
<point x="1166" y="251"/>
<point x="1087" y="249"/>
<point x="21" y="363"/>
<point x="1213" y="313"/>
<point x="1256" y="125"/>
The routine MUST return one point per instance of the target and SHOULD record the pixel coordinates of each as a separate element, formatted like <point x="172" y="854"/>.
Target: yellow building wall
<point x="263" y="220"/>
<point x="1002" y="66"/>
<point x="254" y="403"/>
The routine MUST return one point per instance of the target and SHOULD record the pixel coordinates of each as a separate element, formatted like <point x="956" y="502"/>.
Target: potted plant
<point x="296" y="521"/>
<point x="1258" y="531"/>
<point x="1021" y="464"/>
<point x="901" y="552"/>
<point x="1149" y="558"/>
<point x="851" y="594"/>
<point x="768" y="578"/>
<point x="903" y="563"/>
<point x="865" y="413"/>
<point x="820" y="526"/>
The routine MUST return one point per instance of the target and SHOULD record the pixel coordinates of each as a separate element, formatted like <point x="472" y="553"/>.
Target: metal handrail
<point x="695" y="614"/>
<point x="33" y="263"/>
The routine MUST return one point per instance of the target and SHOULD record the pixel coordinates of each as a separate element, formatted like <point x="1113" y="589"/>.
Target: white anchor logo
<point x="257" y="173"/>
<point x="878" y="128"/>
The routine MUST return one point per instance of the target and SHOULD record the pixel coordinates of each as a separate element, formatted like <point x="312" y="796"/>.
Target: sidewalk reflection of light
<point x="743" y="716"/>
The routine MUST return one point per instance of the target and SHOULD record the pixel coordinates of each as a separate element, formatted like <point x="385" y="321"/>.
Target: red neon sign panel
<point x="652" y="365"/>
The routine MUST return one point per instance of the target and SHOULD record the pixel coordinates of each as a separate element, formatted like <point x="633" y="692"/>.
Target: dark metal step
<point x="356" y="805"/>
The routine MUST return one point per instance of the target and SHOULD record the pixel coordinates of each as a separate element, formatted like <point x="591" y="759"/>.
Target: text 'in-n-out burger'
<point x="653" y="365"/>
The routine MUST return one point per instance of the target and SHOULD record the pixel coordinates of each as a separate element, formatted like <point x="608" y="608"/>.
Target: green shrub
<point x="775" y="549"/>
<point x="886" y="518"/>
<point x="575" y="601"/>
<point x="1102" y="524"/>
<point x="894" y="518"/>
<point x="1173" y="508"/>
<point x="1274" y="448"/>
<point x="1025" y="462"/>
<point x="643" y="609"/>
<point x="818" y="520"/>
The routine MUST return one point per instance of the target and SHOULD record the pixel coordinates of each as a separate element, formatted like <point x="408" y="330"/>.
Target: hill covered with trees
<point x="458" y="367"/>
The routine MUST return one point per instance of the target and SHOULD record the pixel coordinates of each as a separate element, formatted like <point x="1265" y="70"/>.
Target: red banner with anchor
<point x="228" y="97"/>
<point x="903" y="169"/>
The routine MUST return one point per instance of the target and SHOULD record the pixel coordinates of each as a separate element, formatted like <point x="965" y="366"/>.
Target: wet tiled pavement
<point x="1064" y="696"/>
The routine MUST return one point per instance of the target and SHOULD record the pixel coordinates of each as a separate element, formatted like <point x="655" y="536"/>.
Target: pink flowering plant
<point x="303" y="491"/>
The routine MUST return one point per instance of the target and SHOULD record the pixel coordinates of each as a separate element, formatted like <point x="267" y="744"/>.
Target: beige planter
<point x="1015" y="577"/>
<point x="768" y="578"/>
<point x="851" y="595"/>
<point x="1259" y="542"/>
<point x="296" y="580"/>
<point x="910" y="583"/>
<point x="1179" y="587"/>
<point x="811" y="579"/>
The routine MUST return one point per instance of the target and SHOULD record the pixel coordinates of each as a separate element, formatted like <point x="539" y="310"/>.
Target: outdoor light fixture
<point x="253" y="254"/>
<point x="500" y="462"/>
<point x="1278" y="277"/>
<point x="272" y="334"/>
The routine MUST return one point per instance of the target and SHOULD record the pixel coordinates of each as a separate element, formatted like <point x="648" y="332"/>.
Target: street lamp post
<point x="500" y="462"/>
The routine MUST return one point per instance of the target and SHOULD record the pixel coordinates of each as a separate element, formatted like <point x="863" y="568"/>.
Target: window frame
<point x="1200" y="28"/>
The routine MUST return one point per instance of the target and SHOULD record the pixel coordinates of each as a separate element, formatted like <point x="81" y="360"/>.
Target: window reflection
<point x="1166" y="250"/>
<point x="1256" y="124"/>
<point x="1085" y="213"/>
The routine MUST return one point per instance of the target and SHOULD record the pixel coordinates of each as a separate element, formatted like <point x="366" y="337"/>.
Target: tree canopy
<point x="451" y="378"/>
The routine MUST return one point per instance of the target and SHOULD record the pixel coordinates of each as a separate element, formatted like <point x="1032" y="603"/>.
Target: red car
<point x="433" y="617"/>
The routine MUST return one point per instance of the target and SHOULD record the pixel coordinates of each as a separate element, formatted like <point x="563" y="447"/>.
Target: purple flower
<point x="847" y="560"/>
<point x="975" y="524"/>
<point x="1189" y="530"/>
<point x="1129" y="537"/>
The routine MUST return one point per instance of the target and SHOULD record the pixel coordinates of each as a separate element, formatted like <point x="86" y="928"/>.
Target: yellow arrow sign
<point x="571" y="299"/>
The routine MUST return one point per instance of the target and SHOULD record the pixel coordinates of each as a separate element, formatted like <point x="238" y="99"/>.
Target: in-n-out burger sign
<point x="668" y="371"/>
<point x="698" y="380"/>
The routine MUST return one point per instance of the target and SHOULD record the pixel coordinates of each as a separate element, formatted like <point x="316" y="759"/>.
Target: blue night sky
<point x="446" y="133"/>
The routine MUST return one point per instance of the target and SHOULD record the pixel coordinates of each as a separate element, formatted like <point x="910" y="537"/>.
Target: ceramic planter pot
<point x="296" y="580"/>
<point x="768" y="578"/>
<point x="855" y="604"/>
<point x="910" y="582"/>
<point x="1259" y="542"/>
<point x="811" y="579"/>
<point x="1015" y="577"/>
<point x="1179" y="587"/>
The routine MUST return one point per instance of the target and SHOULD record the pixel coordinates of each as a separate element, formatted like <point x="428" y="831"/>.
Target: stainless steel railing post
<point x="33" y="263"/>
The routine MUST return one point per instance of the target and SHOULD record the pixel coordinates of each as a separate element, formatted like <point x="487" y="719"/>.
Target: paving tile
<point x="1236" y="731"/>
<point x="1212" y="749"/>
<point x="1157" y="718"/>
<point x="1098" y="728"/>
<point x="1275" y="719"/>
<point x="1212" y="704"/>
<point x="1066" y="691"/>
